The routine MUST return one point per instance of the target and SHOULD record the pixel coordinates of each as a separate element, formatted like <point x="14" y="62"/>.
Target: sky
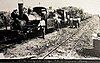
<point x="90" y="6"/>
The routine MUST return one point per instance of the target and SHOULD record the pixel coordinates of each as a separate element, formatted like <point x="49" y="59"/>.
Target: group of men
<point x="73" y="22"/>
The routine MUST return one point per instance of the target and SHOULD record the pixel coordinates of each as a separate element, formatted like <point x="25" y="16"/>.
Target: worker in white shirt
<point x="42" y="26"/>
<point x="71" y="22"/>
<point x="57" y="21"/>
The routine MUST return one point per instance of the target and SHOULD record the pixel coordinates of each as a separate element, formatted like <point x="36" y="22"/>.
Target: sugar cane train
<point x="28" y="23"/>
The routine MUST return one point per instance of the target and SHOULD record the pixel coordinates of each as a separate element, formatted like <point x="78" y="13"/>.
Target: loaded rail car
<point x="49" y="22"/>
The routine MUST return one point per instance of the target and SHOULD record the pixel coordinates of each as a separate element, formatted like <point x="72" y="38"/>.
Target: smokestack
<point x="20" y="7"/>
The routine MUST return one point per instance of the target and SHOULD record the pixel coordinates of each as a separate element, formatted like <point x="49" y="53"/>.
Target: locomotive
<point x="32" y="23"/>
<point x="26" y="25"/>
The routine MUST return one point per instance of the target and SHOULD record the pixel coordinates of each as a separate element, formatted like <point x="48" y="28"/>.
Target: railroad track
<point x="61" y="40"/>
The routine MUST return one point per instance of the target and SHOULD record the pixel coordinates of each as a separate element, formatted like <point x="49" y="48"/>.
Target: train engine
<point x="30" y="24"/>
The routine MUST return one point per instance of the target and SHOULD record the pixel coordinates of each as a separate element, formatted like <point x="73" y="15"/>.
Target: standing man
<point x="16" y="23"/>
<point x="71" y="22"/>
<point x="57" y="21"/>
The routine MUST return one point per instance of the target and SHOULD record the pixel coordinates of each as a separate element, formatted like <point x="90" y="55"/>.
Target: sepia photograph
<point x="50" y="29"/>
